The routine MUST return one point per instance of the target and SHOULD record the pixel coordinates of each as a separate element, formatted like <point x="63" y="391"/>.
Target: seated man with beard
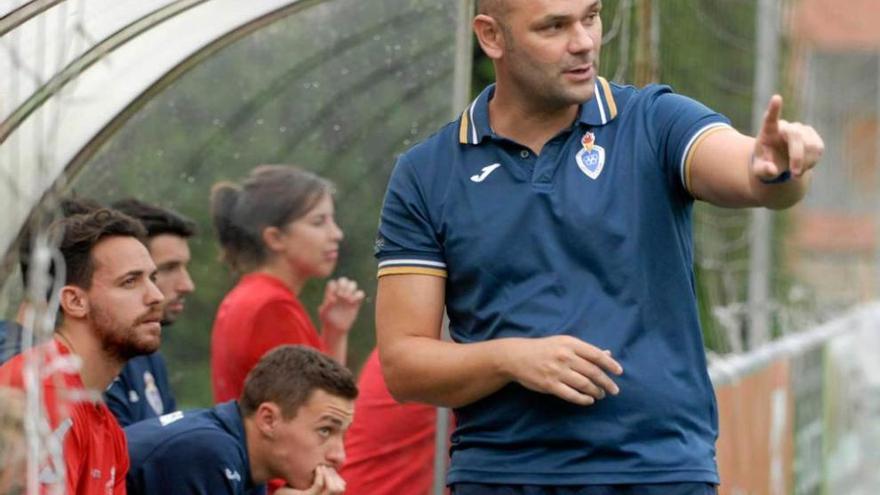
<point x="142" y="390"/>
<point x="110" y="312"/>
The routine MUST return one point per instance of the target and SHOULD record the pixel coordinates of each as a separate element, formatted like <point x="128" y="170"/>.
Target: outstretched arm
<point x="418" y="366"/>
<point x="773" y="169"/>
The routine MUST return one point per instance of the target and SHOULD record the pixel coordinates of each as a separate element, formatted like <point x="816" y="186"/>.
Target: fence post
<point x="761" y="229"/>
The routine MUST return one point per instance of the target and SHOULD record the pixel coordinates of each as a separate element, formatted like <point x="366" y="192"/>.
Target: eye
<point x="325" y="432"/>
<point x="129" y="282"/>
<point x="553" y="27"/>
<point x="319" y="220"/>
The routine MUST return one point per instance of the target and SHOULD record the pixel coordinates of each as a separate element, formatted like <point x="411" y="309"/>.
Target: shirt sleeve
<point x="680" y="123"/>
<point x="407" y="241"/>
<point x="280" y="323"/>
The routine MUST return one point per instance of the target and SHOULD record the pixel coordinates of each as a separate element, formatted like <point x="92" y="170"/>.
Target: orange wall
<point x="752" y="444"/>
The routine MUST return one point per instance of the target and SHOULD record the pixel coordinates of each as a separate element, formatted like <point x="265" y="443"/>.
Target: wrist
<point x="779" y="179"/>
<point x="501" y="358"/>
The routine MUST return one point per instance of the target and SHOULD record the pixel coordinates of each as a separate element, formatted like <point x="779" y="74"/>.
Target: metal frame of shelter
<point x="75" y="71"/>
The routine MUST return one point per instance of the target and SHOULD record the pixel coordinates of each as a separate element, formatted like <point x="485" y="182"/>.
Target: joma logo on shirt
<point x="485" y="173"/>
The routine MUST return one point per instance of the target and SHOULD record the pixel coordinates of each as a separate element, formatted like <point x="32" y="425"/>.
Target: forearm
<point x="336" y="345"/>
<point x="446" y="374"/>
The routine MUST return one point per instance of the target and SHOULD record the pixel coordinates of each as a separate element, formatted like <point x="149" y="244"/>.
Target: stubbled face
<point x="551" y="49"/>
<point x="124" y="304"/>
<point x="312" y="438"/>
<point x="171" y="255"/>
<point x="311" y="242"/>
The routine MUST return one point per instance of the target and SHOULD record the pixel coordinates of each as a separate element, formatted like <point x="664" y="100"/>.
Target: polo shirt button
<point x="524" y="154"/>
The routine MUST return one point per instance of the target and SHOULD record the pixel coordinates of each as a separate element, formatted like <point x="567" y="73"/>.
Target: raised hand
<point x="564" y="366"/>
<point x="342" y="302"/>
<point x="784" y="146"/>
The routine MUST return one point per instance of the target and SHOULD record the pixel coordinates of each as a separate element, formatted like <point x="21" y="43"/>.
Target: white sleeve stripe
<point x="687" y="149"/>
<point x="597" y="92"/>
<point x="412" y="262"/>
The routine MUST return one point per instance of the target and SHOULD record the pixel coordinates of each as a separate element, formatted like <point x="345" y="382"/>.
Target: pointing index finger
<point x="771" y="116"/>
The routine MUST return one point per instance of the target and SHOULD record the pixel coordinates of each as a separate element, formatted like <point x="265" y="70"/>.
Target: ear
<point x="272" y="238"/>
<point x="267" y="418"/>
<point x="489" y="35"/>
<point x="74" y="302"/>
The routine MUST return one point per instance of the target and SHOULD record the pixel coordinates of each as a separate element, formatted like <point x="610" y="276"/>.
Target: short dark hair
<point x="67" y="206"/>
<point x="77" y="236"/>
<point x="271" y="196"/>
<point x="157" y="220"/>
<point x="289" y="374"/>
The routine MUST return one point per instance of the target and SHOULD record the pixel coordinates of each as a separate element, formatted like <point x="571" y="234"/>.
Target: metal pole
<point x="875" y="289"/>
<point x="461" y="95"/>
<point x="761" y="232"/>
<point x="645" y="64"/>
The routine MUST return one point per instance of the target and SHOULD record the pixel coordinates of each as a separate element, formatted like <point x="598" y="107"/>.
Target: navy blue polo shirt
<point x="592" y="239"/>
<point x="193" y="452"/>
<point x="141" y="391"/>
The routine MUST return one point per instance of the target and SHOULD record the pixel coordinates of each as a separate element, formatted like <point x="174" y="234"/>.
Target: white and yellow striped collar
<point x="473" y="124"/>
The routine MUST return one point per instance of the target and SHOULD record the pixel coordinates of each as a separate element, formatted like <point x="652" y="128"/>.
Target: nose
<point x="336" y="454"/>
<point x="581" y="39"/>
<point x="335" y="232"/>
<point x="154" y="295"/>
<point x="186" y="283"/>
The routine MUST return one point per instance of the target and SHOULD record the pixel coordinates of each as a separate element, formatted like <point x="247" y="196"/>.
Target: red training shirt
<point x="94" y="448"/>
<point x="389" y="448"/>
<point x="259" y="314"/>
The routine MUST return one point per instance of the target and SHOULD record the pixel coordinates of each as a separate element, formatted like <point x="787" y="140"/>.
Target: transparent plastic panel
<point x="339" y="88"/>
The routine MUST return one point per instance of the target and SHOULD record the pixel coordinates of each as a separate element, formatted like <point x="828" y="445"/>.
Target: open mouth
<point x="581" y="71"/>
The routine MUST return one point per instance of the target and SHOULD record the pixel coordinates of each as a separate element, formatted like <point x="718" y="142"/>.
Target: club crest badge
<point x="154" y="398"/>
<point x="590" y="159"/>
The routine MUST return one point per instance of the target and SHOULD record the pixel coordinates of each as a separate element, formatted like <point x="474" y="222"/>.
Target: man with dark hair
<point x="289" y="423"/>
<point x="143" y="390"/>
<point x="111" y="311"/>
<point x="552" y="223"/>
<point x="11" y="331"/>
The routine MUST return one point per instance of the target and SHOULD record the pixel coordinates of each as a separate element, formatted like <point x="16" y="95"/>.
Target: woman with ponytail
<point x="277" y="231"/>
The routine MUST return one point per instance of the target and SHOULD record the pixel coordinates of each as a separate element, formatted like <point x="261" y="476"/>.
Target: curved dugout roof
<point x="73" y="71"/>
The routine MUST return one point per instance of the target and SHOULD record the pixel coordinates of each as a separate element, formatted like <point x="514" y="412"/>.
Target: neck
<point x="526" y="120"/>
<point x="281" y="270"/>
<point x="99" y="368"/>
<point x="257" y="463"/>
